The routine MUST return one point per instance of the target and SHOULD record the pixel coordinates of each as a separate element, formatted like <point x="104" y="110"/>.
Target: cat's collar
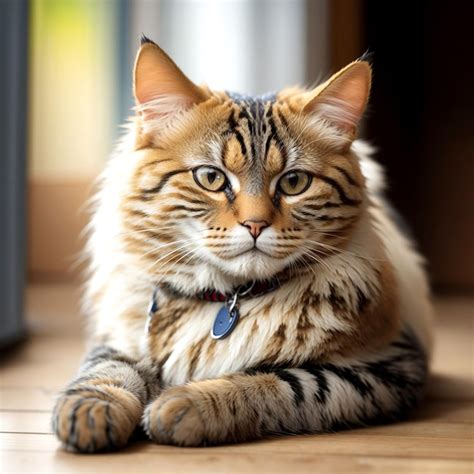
<point x="228" y="314"/>
<point x="251" y="289"/>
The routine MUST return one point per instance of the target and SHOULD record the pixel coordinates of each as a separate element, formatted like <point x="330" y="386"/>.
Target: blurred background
<point x="66" y="88"/>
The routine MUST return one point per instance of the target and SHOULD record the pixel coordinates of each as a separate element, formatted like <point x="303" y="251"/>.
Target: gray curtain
<point x="13" y="87"/>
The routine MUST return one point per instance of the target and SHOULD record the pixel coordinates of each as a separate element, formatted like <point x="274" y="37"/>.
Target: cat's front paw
<point x="94" y="419"/>
<point x="173" y="418"/>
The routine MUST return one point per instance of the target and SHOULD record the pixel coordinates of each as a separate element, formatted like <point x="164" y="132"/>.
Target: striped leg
<point x="274" y="400"/>
<point x="100" y="409"/>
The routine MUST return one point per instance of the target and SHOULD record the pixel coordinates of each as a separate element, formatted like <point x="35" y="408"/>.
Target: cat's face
<point x="251" y="186"/>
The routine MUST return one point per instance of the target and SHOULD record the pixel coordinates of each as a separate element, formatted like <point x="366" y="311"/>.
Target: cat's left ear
<point x="162" y="91"/>
<point x="342" y="99"/>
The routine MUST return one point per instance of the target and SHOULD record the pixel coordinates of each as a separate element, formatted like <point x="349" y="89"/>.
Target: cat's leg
<point x="311" y="398"/>
<point x="100" y="409"/>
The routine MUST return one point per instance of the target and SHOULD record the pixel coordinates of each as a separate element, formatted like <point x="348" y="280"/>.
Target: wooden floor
<point x="439" y="438"/>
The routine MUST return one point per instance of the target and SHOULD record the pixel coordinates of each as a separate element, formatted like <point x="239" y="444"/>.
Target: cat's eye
<point x="294" y="182"/>
<point x="210" y="178"/>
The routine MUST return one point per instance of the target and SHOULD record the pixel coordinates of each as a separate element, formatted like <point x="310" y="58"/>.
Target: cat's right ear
<point x="161" y="89"/>
<point x="342" y="99"/>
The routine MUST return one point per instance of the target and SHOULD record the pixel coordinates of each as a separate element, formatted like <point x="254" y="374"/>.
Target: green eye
<point x="210" y="178"/>
<point x="294" y="182"/>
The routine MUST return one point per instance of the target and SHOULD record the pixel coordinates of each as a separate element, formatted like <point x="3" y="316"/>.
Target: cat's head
<point x="246" y="186"/>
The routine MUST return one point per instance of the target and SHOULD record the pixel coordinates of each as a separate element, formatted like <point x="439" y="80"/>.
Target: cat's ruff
<point x="228" y="313"/>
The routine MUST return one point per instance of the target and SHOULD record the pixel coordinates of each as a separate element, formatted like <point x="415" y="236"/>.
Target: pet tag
<point x="226" y="319"/>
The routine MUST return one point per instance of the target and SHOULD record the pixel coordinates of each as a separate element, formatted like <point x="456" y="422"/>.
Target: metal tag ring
<point x="231" y="304"/>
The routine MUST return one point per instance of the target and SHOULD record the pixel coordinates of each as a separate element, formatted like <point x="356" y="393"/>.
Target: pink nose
<point x="255" y="227"/>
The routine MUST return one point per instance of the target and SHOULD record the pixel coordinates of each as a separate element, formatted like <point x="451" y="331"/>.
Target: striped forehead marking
<point x="254" y="128"/>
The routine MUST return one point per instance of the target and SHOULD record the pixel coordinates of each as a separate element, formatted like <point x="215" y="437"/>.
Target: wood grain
<point x="439" y="437"/>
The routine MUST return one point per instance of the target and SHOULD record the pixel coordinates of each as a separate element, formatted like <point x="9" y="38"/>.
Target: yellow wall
<point x="72" y="87"/>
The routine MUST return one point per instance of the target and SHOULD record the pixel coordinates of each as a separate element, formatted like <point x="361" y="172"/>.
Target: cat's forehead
<point x="253" y="142"/>
<point x="252" y="100"/>
<point x="255" y="111"/>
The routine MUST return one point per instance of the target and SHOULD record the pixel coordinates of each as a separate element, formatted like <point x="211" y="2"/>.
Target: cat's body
<point x="343" y="339"/>
<point x="122" y="312"/>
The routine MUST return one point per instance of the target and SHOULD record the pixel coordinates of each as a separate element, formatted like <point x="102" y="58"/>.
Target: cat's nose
<point x="255" y="227"/>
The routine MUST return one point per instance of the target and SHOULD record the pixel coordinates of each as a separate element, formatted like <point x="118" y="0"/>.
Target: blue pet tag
<point x="226" y="320"/>
<point x="152" y="309"/>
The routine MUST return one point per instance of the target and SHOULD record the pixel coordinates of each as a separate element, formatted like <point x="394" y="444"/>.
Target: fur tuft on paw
<point x="174" y="419"/>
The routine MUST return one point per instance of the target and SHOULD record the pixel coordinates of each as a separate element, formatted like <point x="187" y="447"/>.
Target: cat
<point x="247" y="278"/>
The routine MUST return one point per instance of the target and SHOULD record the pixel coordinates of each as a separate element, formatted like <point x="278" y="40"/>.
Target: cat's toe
<point x="173" y="418"/>
<point x="89" y="422"/>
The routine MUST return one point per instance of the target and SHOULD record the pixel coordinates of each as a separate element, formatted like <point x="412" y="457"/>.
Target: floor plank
<point x="38" y="453"/>
<point x="439" y="437"/>
<point x="25" y="422"/>
<point x="32" y="398"/>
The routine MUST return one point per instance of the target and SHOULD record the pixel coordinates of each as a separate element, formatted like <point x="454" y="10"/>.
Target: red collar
<point x="228" y="314"/>
<point x="249" y="290"/>
<point x="252" y="289"/>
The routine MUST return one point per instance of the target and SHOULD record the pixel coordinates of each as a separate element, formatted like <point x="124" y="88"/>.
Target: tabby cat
<point x="247" y="278"/>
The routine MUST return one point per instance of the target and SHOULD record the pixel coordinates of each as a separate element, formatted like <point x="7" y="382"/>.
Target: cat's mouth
<point x="253" y="250"/>
<point x="249" y="261"/>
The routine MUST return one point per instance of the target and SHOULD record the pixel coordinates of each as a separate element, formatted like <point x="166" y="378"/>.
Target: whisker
<point x="306" y="265"/>
<point x="153" y="229"/>
<point x="189" y="252"/>
<point x="155" y="249"/>
<point x="344" y="251"/>
<point x="308" y="252"/>
<point x="169" y="254"/>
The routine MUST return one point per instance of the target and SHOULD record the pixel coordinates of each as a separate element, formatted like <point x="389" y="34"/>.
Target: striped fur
<point x="311" y="397"/>
<point x="344" y="341"/>
<point x="101" y="408"/>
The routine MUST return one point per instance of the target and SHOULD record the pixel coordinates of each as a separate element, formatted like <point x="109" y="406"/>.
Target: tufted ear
<point x="342" y="99"/>
<point x="161" y="89"/>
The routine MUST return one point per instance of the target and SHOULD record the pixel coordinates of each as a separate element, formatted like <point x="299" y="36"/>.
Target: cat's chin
<point x="251" y="265"/>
